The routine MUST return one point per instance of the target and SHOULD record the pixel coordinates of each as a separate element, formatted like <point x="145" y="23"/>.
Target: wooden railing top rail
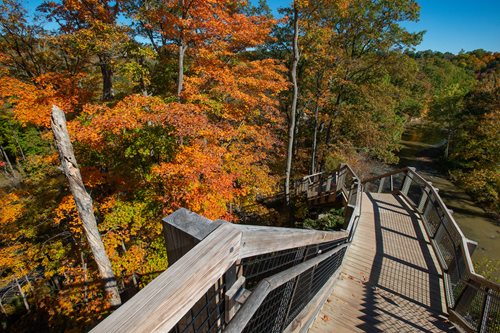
<point x="163" y="302"/>
<point x="259" y="240"/>
<point x="343" y="167"/>
<point x="387" y="174"/>
<point x="464" y="241"/>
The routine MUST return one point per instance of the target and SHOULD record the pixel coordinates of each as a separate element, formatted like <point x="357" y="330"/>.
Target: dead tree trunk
<point x="7" y="160"/>
<point x="83" y="203"/>
<point x="293" y="74"/>
<point x="25" y="301"/>
<point x="2" y="307"/>
<point x="180" y="77"/>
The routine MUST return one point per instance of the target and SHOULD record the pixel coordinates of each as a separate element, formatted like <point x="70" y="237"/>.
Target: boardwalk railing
<point x="344" y="181"/>
<point x="232" y="277"/>
<point x="473" y="302"/>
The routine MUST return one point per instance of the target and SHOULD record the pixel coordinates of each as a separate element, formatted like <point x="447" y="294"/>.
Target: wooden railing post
<point x="184" y="229"/>
<point x="423" y="199"/>
<point x="381" y="185"/>
<point x="407" y="182"/>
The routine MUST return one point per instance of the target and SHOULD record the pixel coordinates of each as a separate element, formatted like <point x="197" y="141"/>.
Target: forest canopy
<point x="188" y="103"/>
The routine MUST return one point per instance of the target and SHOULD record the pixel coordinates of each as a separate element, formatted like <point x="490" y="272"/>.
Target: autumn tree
<point x="475" y="151"/>
<point x="351" y="50"/>
<point x="92" y="26"/>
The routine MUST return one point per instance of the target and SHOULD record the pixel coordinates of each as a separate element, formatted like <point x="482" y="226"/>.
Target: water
<point x="422" y="148"/>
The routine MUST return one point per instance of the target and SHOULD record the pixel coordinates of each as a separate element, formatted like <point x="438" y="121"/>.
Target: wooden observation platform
<point x="401" y="264"/>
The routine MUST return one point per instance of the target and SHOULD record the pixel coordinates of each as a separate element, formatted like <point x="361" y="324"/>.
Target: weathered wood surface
<point x="258" y="240"/>
<point x="163" y="302"/>
<point x="184" y="229"/>
<point x="83" y="203"/>
<point x="390" y="280"/>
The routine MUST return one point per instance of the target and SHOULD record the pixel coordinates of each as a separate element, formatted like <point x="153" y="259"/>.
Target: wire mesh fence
<point x="282" y="305"/>
<point x="207" y="315"/>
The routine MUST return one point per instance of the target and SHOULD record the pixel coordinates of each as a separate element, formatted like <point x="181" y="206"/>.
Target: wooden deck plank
<point x="390" y="280"/>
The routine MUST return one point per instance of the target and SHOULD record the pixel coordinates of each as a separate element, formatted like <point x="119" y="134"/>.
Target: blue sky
<point x="450" y="25"/>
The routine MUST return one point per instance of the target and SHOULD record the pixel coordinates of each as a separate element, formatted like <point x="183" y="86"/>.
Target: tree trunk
<point x="20" y="148"/>
<point x="293" y="74"/>
<point x="29" y="283"/>
<point x="2" y="307"/>
<point x="447" y="148"/>
<point x="7" y="160"/>
<point x="180" y="77"/>
<point x="85" y="277"/>
<point x="315" y="135"/>
<point x="182" y="51"/>
<point x="107" y="78"/>
<point x="83" y="203"/>
<point x="25" y="301"/>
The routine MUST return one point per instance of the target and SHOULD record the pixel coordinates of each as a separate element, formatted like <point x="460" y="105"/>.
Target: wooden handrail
<point x="387" y="174"/>
<point x="243" y="316"/>
<point x="463" y="244"/>
<point x="163" y="302"/>
<point x="259" y="240"/>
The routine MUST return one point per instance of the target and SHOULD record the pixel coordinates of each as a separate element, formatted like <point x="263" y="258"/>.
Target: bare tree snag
<point x="21" y="292"/>
<point x="7" y="160"/>
<point x="2" y="307"/>
<point x="293" y="74"/>
<point x="182" y="51"/>
<point x="83" y="203"/>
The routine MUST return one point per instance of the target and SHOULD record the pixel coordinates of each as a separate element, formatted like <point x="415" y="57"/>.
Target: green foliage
<point x="332" y="220"/>
<point x="489" y="268"/>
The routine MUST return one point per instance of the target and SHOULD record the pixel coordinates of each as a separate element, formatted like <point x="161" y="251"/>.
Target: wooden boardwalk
<point x="390" y="279"/>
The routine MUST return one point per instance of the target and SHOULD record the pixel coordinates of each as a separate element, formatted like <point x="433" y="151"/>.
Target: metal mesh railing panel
<point x="259" y="267"/>
<point x="470" y="305"/>
<point x="207" y="315"/>
<point x="372" y="186"/>
<point x="268" y="318"/>
<point x="433" y="215"/>
<point x="415" y="192"/>
<point x="491" y="320"/>
<point x="397" y="181"/>
<point x="284" y="303"/>
<point x="310" y="282"/>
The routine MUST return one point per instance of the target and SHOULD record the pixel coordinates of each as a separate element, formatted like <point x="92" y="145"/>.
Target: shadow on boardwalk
<point x="390" y="281"/>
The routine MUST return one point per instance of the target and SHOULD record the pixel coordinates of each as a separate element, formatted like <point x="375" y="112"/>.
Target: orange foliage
<point x="32" y="102"/>
<point x="81" y="299"/>
<point x="135" y="111"/>
<point x="67" y="212"/>
<point x="196" y="180"/>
